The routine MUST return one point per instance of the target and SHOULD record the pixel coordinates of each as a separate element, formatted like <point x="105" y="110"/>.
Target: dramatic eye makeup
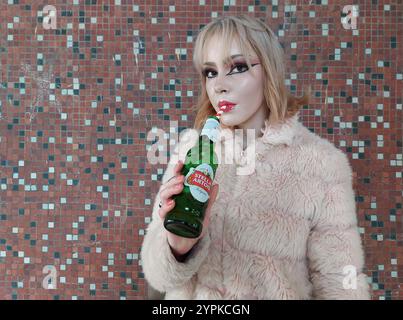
<point x="235" y="68"/>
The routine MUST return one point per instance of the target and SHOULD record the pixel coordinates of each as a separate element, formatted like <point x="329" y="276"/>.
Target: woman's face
<point x="236" y="84"/>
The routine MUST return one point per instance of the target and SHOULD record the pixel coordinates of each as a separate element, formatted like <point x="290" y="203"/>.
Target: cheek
<point x="209" y="89"/>
<point x="252" y="91"/>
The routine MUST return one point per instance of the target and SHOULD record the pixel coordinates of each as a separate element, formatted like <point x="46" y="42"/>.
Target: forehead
<point x="219" y="50"/>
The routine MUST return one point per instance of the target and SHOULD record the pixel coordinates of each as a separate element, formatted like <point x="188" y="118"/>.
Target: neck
<point x="256" y="123"/>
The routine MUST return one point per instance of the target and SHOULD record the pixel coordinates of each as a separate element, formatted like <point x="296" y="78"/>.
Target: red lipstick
<point x="226" y="106"/>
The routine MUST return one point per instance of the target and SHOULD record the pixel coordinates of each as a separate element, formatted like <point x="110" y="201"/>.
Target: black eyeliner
<point x="235" y="65"/>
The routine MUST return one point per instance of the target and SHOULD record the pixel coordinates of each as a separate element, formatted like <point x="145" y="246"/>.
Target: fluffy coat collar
<point x="281" y="133"/>
<point x="274" y="134"/>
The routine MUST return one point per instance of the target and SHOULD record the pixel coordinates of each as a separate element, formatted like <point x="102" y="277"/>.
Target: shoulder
<point x="320" y="158"/>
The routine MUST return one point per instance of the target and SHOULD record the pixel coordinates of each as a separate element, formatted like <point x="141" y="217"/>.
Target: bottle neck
<point x="210" y="128"/>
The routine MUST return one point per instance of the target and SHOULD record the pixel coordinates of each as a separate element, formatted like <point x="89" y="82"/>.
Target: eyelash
<point x="206" y="71"/>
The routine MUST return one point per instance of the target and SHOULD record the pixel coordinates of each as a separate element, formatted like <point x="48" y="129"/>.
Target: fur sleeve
<point x="335" y="253"/>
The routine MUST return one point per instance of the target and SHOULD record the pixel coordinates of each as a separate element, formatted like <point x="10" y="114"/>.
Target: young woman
<point x="285" y="230"/>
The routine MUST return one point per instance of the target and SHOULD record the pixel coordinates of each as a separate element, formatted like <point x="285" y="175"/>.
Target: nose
<point x="220" y="84"/>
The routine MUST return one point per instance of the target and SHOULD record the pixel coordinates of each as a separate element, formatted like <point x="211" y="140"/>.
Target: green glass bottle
<point x="200" y="165"/>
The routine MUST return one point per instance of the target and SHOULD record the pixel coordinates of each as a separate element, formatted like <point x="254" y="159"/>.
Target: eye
<point x="241" y="67"/>
<point x="209" y="73"/>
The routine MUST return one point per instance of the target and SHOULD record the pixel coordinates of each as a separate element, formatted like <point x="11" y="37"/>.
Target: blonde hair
<point x="252" y="34"/>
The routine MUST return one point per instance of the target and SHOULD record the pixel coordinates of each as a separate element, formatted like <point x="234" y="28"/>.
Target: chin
<point x="230" y="121"/>
<point x="227" y="123"/>
<point x="224" y="121"/>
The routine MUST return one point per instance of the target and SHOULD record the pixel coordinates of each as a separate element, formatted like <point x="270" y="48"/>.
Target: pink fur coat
<point x="285" y="230"/>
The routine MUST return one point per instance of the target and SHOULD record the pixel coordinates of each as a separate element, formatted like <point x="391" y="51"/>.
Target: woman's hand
<point x="181" y="245"/>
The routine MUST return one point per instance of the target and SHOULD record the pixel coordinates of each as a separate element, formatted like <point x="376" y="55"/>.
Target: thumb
<point x="213" y="196"/>
<point x="215" y="190"/>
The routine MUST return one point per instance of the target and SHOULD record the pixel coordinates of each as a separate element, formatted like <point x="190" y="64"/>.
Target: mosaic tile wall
<point x="78" y="99"/>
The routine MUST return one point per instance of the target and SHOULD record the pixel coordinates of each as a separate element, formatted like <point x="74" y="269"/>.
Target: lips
<point x="226" y="106"/>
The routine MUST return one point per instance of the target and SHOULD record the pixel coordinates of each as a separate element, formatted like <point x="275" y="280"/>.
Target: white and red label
<point x="199" y="181"/>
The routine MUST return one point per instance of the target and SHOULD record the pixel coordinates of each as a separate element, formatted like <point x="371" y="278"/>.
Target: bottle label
<point x="199" y="181"/>
<point x="210" y="129"/>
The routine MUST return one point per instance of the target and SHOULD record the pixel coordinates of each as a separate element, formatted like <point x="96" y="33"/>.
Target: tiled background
<point x="77" y="103"/>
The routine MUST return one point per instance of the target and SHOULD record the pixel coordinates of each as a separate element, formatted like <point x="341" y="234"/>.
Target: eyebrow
<point x="213" y="64"/>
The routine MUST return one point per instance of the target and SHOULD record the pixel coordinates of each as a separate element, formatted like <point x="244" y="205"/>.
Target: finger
<point x="168" y="206"/>
<point x="169" y="191"/>
<point x="177" y="172"/>
<point x="178" y="167"/>
<point x="173" y="182"/>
